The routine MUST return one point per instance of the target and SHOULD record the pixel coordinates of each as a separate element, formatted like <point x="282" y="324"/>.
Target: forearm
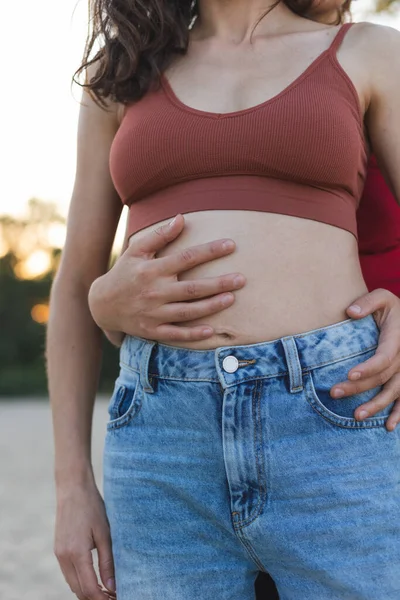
<point x="73" y="355"/>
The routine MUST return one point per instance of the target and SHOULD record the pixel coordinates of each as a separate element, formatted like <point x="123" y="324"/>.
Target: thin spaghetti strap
<point x="337" y="40"/>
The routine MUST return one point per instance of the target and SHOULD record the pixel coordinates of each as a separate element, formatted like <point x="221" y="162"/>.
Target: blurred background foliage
<point x="30" y="250"/>
<point x="388" y="5"/>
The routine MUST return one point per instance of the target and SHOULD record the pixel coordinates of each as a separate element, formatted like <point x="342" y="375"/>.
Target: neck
<point x="320" y="16"/>
<point x="234" y="20"/>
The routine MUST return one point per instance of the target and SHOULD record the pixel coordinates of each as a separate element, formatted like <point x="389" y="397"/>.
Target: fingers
<point x="202" y="288"/>
<point x="373" y="372"/>
<point x="80" y="575"/>
<point x="160" y="322"/>
<point x="382" y="368"/>
<point x="379" y="366"/>
<point x="178" y="312"/>
<point x="389" y="394"/>
<point x="147" y="245"/>
<point x="188" y="311"/>
<point x="106" y="562"/>
<point x="352" y="388"/>
<point x="394" y="418"/>
<point x="175" y="334"/>
<point x="370" y="303"/>
<point x="89" y="584"/>
<point x="70" y="576"/>
<point x="191" y="257"/>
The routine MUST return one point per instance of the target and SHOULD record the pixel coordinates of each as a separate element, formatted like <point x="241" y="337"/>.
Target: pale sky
<point x="41" y="46"/>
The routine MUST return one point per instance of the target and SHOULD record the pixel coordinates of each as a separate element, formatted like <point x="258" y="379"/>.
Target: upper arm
<point x="95" y="206"/>
<point x="383" y="114"/>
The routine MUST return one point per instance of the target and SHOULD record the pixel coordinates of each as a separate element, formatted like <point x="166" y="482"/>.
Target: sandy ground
<point x="28" y="568"/>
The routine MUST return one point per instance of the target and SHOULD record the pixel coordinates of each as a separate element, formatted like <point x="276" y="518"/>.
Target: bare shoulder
<point x="377" y="43"/>
<point x="106" y="111"/>
<point x="373" y="52"/>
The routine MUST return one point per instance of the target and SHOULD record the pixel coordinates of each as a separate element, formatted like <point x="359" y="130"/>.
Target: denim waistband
<point x="230" y="365"/>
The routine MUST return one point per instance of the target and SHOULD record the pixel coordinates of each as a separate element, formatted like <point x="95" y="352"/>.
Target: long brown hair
<point x="138" y="40"/>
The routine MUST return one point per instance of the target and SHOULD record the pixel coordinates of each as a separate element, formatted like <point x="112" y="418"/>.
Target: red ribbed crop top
<point x="301" y="153"/>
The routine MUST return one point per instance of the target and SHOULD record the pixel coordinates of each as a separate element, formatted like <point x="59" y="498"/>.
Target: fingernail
<point x="228" y="245"/>
<point x="238" y="281"/>
<point x="207" y="331"/>
<point x="171" y="223"/>
<point x="363" y="414"/>
<point x="355" y="376"/>
<point x="227" y="299"/>
<point x="355" y="308"/>
<point x="338" y="393"/>
<point x="111" y="585"/>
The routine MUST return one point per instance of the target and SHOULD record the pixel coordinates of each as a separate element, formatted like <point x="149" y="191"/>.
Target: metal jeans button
<point x="230" y="364"/>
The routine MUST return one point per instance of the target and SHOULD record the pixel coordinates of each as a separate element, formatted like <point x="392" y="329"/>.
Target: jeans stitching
<point x="295" y="369"/>
<point x="158" y="376"/>
<point x="327" y="328"/>
<point x="132" y="412"/>
<point x="339" y="358"/>
<point x="247" y="545"/>
<point x="256" y="394"/>
<point x="336" y="420"/>
<point x="288" y="355"/>
<point x="257" y="510"/>
<point x="121" y="392"/>
<point x="305" y="370"/>
<point x="259" y="455"/>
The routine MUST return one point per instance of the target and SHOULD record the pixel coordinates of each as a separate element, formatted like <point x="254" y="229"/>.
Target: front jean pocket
<point x="340" y="412"/>
<point x="125" y="402"/>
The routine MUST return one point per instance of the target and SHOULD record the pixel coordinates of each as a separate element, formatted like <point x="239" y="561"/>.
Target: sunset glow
<point x="36" y="265"/>
<point x="40" y="313"/>
<point x="56" y="235"/>
<point x="4" y="248"/>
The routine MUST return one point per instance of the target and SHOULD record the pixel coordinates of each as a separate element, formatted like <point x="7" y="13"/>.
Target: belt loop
<point x="293" y="362"/>
<point x="144" y="366"/>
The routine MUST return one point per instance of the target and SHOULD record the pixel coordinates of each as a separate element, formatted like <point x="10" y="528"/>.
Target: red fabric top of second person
<point x="378" y="221"/>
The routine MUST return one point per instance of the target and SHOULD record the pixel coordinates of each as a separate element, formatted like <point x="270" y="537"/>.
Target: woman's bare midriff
<point x="301" y="274"/>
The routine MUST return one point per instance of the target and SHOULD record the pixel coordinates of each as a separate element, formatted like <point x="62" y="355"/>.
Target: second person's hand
<point x="383" y="369"/>
<point x="142" y="295"/>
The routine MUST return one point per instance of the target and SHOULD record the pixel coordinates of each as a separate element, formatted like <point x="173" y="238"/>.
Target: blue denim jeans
<point x="221" y="463"/>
